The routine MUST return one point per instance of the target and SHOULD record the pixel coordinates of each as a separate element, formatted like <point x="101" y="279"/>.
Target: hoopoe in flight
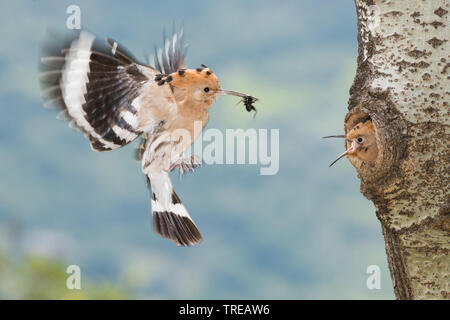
<point x="113" y="99"/>
<point x="363" y="144"/>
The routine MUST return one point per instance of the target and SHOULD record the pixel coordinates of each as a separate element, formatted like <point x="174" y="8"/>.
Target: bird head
<point x="363" y="144"/>
<point x="199" y="85"/>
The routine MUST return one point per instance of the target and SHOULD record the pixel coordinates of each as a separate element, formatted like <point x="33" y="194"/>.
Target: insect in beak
<point x="222" y="92"/>
<point x="355" y="145"/>
<point x="246" y="99"/>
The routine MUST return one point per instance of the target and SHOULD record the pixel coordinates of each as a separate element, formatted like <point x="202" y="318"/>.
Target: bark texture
<point x="402" y="82"/>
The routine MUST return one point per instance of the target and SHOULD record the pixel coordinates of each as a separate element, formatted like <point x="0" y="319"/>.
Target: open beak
<point x="353" y="147"/>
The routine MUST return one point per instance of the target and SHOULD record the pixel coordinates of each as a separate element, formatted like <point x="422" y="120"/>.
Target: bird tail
<point x="170" y="218"/>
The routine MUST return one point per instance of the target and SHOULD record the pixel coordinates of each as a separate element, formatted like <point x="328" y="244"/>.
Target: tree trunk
<point x="402" y="83"/>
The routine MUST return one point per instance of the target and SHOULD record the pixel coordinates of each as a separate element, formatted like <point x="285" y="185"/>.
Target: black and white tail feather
<point x="95" y="85"/>
<point x="170" y="218"/>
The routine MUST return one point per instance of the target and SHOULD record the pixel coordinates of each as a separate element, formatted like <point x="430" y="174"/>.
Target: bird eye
<point x="360" y="140"/>
<point x="206" y="89"/>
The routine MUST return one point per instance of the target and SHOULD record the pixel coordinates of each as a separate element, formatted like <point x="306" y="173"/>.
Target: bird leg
<point x="187" y="164"/>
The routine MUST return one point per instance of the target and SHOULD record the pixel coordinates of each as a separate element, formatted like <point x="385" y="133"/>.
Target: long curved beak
<point x="222" y="92"/>
<point x="352" y="148"/>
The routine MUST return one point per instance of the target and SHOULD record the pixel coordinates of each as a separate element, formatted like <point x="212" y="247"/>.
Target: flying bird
<point x="113" y="99"/>
<point x="362" y="139"/>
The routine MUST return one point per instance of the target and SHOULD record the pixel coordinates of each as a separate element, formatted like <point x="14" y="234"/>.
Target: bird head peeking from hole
<point x="363" y="144"/>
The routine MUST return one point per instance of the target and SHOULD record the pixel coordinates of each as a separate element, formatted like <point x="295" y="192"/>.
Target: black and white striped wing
<point x="97" y="86"/>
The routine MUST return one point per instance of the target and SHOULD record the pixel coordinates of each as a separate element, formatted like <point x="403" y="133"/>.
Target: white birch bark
<point x="402" y="82"/>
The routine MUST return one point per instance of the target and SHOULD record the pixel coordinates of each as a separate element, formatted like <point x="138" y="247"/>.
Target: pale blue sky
<point x="304" y="233"/>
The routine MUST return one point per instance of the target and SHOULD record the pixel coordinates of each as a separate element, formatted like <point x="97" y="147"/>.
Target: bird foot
<point x="187" y="164"/>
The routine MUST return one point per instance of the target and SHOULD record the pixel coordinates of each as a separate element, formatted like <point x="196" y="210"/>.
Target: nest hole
<point x="378" y="163"/>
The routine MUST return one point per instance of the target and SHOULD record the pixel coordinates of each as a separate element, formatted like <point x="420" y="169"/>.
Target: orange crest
<point x="361" y="129"/>
<point x="186" y="78"/>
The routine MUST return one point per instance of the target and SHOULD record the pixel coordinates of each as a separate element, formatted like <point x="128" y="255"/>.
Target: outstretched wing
<point x="96" y="86"/>
<point x="170" y="58"/>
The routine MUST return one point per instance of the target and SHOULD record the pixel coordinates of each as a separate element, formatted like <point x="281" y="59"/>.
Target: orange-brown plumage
<point x="367" y="149"/>
<point x="194" y="91"/>
<point x="193" y="77"/>
<point x="363" y="144"/>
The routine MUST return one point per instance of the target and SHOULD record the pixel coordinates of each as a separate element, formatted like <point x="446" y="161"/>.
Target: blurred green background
<point x="305" y="233"/>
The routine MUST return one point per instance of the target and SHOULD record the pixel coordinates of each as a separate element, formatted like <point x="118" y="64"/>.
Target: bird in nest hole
<point x="113" y="99"/>
<point x="362" y="139"/>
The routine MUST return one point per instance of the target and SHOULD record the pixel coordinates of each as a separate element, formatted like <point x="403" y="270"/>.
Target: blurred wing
<point x="97" y="87"/>
<point x="170" y="58"/>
